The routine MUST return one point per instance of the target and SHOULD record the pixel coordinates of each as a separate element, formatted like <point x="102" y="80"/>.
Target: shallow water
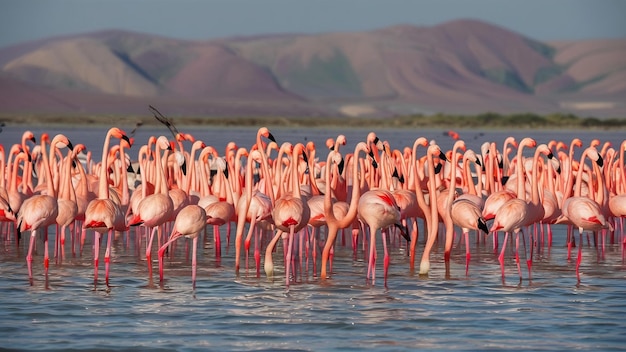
<point x="229" y="312"/>
<point x="346" y="312"/>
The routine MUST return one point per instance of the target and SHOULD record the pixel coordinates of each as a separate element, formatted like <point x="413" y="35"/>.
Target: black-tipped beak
<point x="340" y="166"/>
<point x="483" y="225"/>
<point x="600" y="162"/>
<point x="184" y="167"/>
<point x="438" y="168"/>
<point x="442" y="156"/>
<point x="374" y="164"/>
<point x="226" y="171"/>
<point x="271" y="138"/>
<point x="130" y="168"/>
<point x="70" y="146"/>
<point x="403" y="232"/>
<point x="550" y="155"/>
<point x="34" y="140"/>
<point x="125" y="137"/>
<point x="478" y="162"/>
<point x="306" y="159"/>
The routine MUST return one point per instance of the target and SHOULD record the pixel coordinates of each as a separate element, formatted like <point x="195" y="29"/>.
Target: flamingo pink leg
<point x="29" y="256"/>
<point x="194" y="263"/>
<point x="96" y="252"/>
<point x="107" y="257"/>
<point x="257" y="252"/>
<point x="386" y="258"/>
<point x="467" y="253"/>
<point x="288" y="258"/>
<point x="517" y="261"/>
<point x="501" y="256"/>
<point x="580" y="256"/>
<point x="149" y="250"/>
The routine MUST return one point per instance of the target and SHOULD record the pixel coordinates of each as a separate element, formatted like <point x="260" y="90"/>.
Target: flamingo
<point x="41" y="210"/>
<point x="433" y="150"/>
<point x="379" y="210"/>
<point x="103" y="214"/>
<point x="462" y="212"/>
<point x="189" y="222"/>
<point x="156" y="209"/>
<point x="68" y="209"/>
<point x="334" y="223"/>
<point x="252" y="206"/>
<point x="291" y="213"/>
<point x="220" y="212"/>
<point x="514" y="214"/>
<point x="585" y="213"/>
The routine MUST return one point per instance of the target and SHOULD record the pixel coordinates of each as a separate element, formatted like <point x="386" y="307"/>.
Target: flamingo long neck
<point x="295" y="182"/>
<point x="3" y="169"/>
<point x="265" y="171"/>
<point x="451" y="191"/>
<point x="190" y="168"/>
<point x="494" y="181"/>
<point x="14" y="170"/>
<point x="471" y="187"/>
<point x="570" y="176"/>
<point x="434" y="220"/>
<point x="413" y="161"/>
<point x="579" y="174"/>
<point x="248" y="183"/>
<point x="46" y="169"/>
<point x="622" y="175"/>
<point x="534" y="186"/>
<point x="103" y="184"/>
<point x="521" y="181"/>
<point x="160" y="183"/>
<point x="601" y="193"/>
<point x="328" y="205"/>
<point x="421" y="201"/>
<point x="124" y="176"/>
<point x="236" y="177"/>
<point x="314" y="189"/>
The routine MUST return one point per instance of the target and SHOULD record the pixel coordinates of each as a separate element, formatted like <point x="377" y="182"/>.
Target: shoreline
<point x="488" y="121"/>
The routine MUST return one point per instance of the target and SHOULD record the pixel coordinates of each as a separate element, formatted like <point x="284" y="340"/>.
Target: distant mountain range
<point x="460" y="67"/>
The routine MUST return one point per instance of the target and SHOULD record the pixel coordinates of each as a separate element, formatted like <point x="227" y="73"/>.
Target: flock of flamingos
<point x="296" y="198"/>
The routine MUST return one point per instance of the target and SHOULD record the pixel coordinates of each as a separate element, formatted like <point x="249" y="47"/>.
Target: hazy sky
<point x="24" y="20"/>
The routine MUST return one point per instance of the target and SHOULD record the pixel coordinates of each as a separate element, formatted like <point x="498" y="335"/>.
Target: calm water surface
<point x="246" y="312"/>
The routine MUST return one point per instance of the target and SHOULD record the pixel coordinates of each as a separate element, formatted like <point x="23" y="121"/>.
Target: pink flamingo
<point x="514" y="214"/>
<point x="433" y="224"/>
<point x="585" y="213"/>
<point x="252" y="206"/>
<point x="189" y="222"/>
<point x="291" y="213"/>
<point x="462" y="212"/>
<point x="103" y="214"/>
<point x="41" y="210"/>
<point x="156" y="209"/>
<point x="379" y="210"/>
<point x="68" y="209"/>
<point x="334" y="223"/>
